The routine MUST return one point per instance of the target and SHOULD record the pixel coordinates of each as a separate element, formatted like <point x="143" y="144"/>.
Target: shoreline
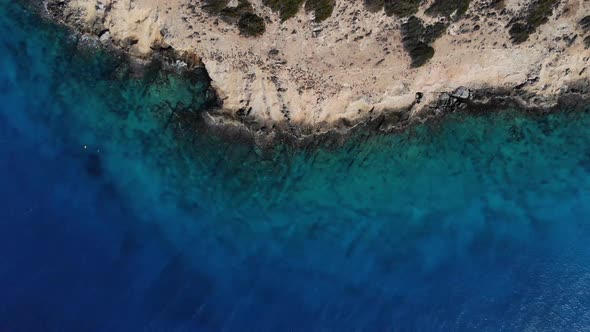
<point x="489" y="101"/>
<point x="242" y="127"/>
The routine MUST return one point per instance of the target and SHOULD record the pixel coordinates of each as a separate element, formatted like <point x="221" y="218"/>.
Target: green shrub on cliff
<point x="214" y="6"/>
<point x="401" y="8"/>
<point x="234" y="13"/>
<point x="417" y="39"/>
<point x="374" y="5"/>
<point x="285" y="8"/>
<point x="322" y="8"/>
<point x="447" y="8"/>
<point x="251" y="25"/>
<point x="289" y="8"/>
<point x="536" y="15"/>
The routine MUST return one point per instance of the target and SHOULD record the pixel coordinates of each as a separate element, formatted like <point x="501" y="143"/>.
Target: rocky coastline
<point x="244" y="122"/>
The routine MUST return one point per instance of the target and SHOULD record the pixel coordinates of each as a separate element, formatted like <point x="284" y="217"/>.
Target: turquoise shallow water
<point x="115" y="216"/>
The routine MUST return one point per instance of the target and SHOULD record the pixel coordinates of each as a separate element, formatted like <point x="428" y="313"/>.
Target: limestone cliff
<point x="324" y="63"/>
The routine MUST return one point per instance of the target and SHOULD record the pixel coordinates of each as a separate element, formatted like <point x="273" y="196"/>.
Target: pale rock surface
<point x="353" y="63"/>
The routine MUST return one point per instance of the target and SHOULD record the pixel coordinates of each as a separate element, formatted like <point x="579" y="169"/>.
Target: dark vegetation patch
<point x="446" y="8"/>
<point x="242" y="15"/>
<point x="285" y="8"/>
<point x="374" y="5"/>
<point x="214" y="6"/>
<point x="400" y="8"/>
<point x="228" y="14"/>
<point x="536" y="15"/>
<point x="585" y="24"/>
<point x="322" y="8"/>
<point x="498" y="4"/>
<point x="251" y="25"/>
<point x="417" y="39"/>
<point x="288" y="8"/>
<point x="233" y="14"/>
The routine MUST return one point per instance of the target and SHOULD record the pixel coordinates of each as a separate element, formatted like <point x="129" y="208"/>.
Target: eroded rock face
<point x="319" y="64"/>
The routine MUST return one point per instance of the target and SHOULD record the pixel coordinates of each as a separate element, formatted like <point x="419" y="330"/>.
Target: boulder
<point x="462" y="93"/>
<point x="446" y="100"/>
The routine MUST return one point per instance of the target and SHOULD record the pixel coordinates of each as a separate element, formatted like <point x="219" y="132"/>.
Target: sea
<point x="117" y="213"/>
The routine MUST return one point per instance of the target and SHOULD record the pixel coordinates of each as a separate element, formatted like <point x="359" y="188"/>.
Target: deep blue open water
<point x="115" y="217"/>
